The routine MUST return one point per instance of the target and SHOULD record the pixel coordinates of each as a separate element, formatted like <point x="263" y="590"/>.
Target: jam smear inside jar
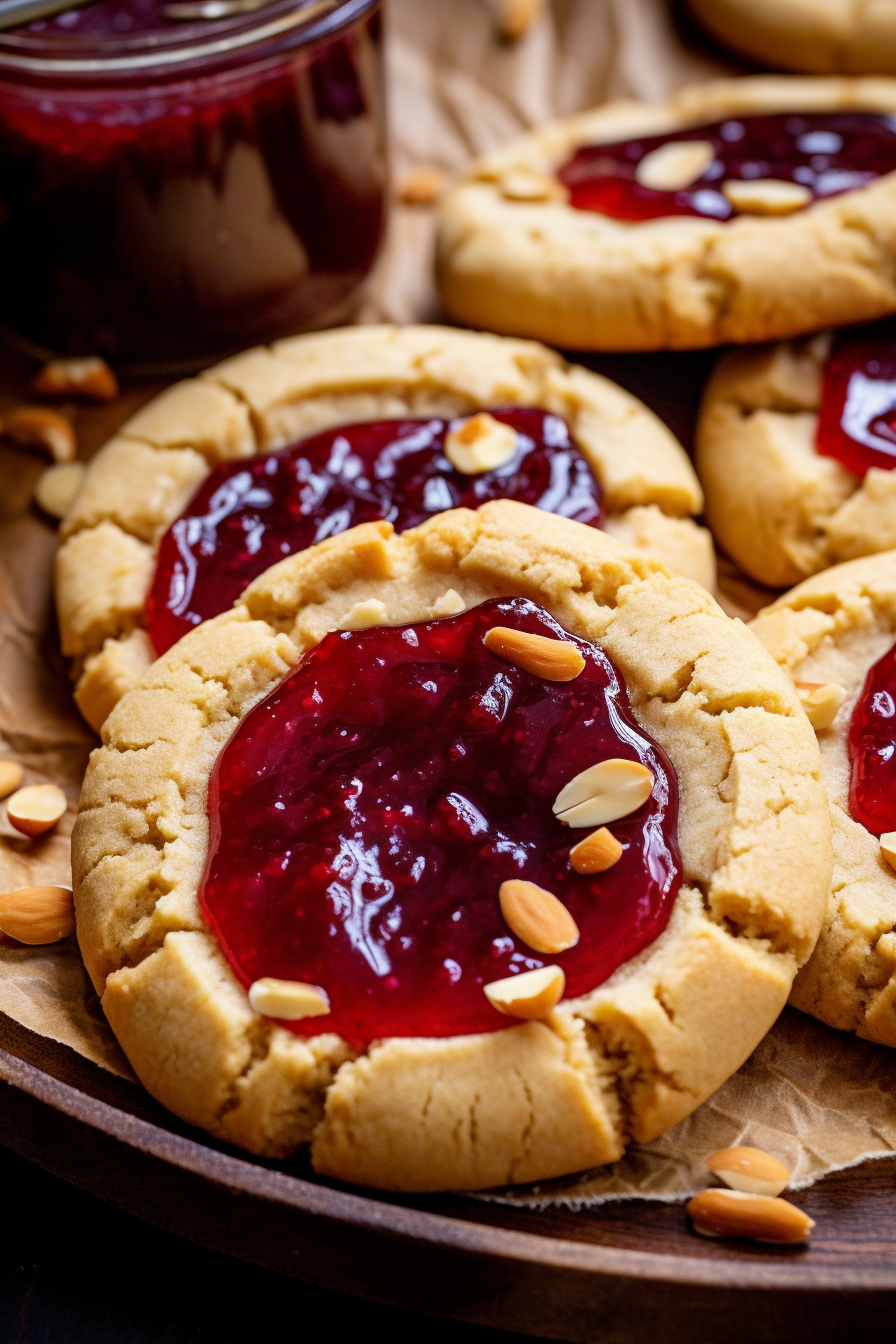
<point x="248" y="515"/>
<point x="828" y="152"/>
<point x="857" y="421"/>
<point x="365" y="814"/>
<point x="872" y="749"/>
<point x="172" y="192"/>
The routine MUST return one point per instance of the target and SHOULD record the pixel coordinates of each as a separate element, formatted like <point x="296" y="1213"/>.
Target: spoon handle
<point x="13" y="13"/>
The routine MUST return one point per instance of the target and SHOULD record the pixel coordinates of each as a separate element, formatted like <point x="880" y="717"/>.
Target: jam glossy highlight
<point x="872" y="749"/>
<point x="827" y="152"/>
<point x="365" y="814"/>
<point x="248" y="515"/>
<point x="857" y="420"/>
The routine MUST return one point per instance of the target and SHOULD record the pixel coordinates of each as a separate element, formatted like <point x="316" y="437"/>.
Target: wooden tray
<point x="623" y="1272"/>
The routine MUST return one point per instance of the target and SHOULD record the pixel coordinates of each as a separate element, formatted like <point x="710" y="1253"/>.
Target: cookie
<point x="814" y="36"/>
<point x="718" y="216"/>
<point x="691" y="702"/>
<point x="837" y="629"/>
<point x="257" y="402"/>
<point x="796" y="455"/>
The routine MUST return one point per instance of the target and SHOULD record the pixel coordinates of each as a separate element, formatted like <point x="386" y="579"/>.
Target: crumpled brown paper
<point x="819" y="1099"/>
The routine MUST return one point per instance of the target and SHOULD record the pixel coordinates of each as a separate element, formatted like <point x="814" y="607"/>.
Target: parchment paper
<point x="819" y="1099"/>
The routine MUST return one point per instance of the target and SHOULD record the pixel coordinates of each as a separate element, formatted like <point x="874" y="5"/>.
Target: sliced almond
<point x="888" y="847"/>
<point x="525" y="184"/>
<point x="606" y="792"/>
<point x="39" y="427"/>
<point x="88" y="377"/>
<point x="11" y="776"/>
<point x="675" y="166"/>
<point x="749" y="1170"/>
<point x="422" y="185"/>
<point x="363" y="615"/>
<point x="821" y="701"/>
<point x="516" y="17"/>
<point x="37" y="915"/>
<point x="449" y="604"/>
<point x="596" y="853"/>
<point x="766" y="196"/>
<point x="36" y="808"/>
<point x="536" y="917"/>
<point x="531" y="995"/>
<point x="731" y="1213"/>
<point x="552" y="659"/>
<point x="289" y="1000"/>
<point x="57" y="487"/>
<point x="479" y="444"/>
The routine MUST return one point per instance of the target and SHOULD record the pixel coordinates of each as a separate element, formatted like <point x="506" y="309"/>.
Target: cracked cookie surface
<point x="833" y="628"/>
<point x="780" y="508"/>
<point x="850" y="37"/>
<point x="619" y="1064"/>
<point x="582" y="280"/>
<point x="264" y="399"/>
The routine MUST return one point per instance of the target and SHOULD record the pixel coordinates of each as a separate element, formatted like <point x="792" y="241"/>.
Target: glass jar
<point x="173" y="192"/>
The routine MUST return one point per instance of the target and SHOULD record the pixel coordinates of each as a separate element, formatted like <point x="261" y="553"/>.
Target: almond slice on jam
<point x="605" y="792"/>
<point x="553" y="659"/>
<point x="530" y="995"/>
<point x="289" y="1000"/>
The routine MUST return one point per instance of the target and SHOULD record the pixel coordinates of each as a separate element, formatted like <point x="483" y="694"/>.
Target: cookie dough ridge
<point x="622" y="1063"/>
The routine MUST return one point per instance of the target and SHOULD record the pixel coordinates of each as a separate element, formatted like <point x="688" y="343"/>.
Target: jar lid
<point x="48" y="50"/>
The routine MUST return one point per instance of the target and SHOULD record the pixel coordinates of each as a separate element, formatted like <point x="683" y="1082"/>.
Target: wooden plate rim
<point x="438" y="1230"/>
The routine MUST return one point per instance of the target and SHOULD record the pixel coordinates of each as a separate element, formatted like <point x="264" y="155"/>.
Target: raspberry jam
<point x="172" y="192"/>
<point x="828" y="152"/>
<point x="872" y="749"/>
<point x="248" y="515"/>
<point x="365" y="814"/>
<point x="857" y="421"/>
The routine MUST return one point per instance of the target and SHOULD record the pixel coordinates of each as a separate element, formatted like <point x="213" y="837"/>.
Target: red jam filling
<point x="872" y="749"/>
<point x="248" y="515"/>
<point x="365" y="814"/>
<point x="828" y="152"/>
<point x="857" y="422"/>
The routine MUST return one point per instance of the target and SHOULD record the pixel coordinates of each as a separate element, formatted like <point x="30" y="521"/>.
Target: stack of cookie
<point x="443" y="820"/>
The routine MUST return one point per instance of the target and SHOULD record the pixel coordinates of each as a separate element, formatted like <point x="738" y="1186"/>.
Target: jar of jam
<point x="172" y="191"/>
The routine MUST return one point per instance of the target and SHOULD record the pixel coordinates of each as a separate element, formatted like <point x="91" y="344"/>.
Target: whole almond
<point x="39" y="427"/>
<point x="749" y="1170"/>
<point x="536" y="917"/>
<point x="530" y="996"/>
<point x="552" y="659"/>
<point x="596" y="853"/>
<point x="290" y="1000"/>
<point x="88" y="377"/>
<point x="11" y="776"/>
<point x="605" y="792"/>
<point x="516" y="17"/>
<point x="36" y="808"/>
<point x="730" y="1213"/>
<point x="36" y="915"/>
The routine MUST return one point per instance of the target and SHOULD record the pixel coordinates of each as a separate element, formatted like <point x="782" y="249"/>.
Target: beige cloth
<point x="818" y="1099"/>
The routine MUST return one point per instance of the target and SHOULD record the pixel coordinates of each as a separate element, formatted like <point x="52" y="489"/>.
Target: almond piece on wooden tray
<point x="36" y="808"/>
<point x="37" y="915"/>
<point x="39" y="427"/>
<point x="516" y="17"/>
<point x="732" y="1213"/>
<point x="89" y="377"/>
<point x="422" y="185"/>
